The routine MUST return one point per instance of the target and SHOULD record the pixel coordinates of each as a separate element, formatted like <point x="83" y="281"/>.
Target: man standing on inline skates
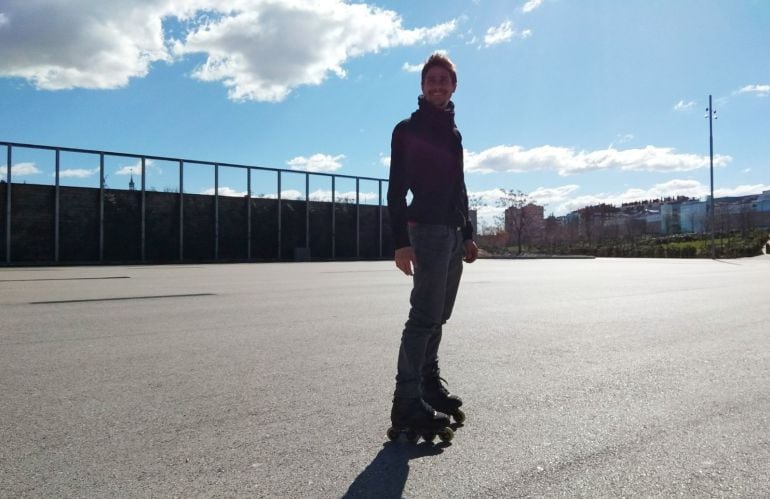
<point x="432" y="236"/>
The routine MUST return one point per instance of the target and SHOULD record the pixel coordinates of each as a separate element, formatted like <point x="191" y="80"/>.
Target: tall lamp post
<point x="711" y="114"/>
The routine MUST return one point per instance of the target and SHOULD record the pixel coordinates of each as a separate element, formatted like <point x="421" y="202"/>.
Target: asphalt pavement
<point x="581" y="378"/>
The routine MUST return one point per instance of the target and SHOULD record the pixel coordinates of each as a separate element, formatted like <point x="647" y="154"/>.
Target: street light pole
<point x="711" y="114"/>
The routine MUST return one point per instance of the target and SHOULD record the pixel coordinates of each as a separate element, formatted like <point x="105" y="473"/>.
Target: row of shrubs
<point x="728" y="245"/>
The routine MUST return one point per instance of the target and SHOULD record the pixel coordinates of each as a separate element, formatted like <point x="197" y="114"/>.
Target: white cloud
<point x="136" y="168"/>
<point x="267" y="48"/>
<point x="225" y="191"/>
<point x="21" y="170"/>
<point x="499" y="34"/>
<point x="567" y="161"/>
<point x="412" y="68"/>
<point x="317" y="163"/>
<point x="504" y="33"/>
<point x="78" y="172"/>
<point x="287" y="194"/>
<point x="684" y="106"/>
<point x="558" y="200"/>
<point x="259" y="49"/>
<point x="759" y="90"/>
<point x="324" y="195"/>
<point x="485" y="198"/>
<point x="741" y="190"/>
<point x="531" y="5"/>
<point x="385" y="160"/>
<point x="349" y="196"/>
<point x="672" y="188"/>
<point x="62" y="45"/>
<point x="550" y="195"/>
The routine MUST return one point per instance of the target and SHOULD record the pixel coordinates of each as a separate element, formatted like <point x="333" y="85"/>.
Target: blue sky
<point x="572" y="102"/>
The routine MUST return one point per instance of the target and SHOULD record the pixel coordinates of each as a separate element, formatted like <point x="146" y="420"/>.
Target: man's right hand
<point x="405" y="260"/>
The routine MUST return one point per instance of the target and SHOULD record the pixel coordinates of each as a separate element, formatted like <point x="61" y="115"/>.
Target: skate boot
<point x="414" y="418"/>
<point x="435" y="393"/>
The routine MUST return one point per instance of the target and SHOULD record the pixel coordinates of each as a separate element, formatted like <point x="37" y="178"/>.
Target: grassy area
<point x="729" y="245"/>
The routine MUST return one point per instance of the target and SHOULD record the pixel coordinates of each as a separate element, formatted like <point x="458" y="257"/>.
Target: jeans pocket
<point x="431" y="238"/>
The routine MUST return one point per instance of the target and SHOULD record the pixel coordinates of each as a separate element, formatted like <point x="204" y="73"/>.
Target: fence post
<point x="334" y="219"/>
<point x="56" y="212"/>
<point x="358" y="219"/>
<point x="248" y="214"/>
<point x="101" y="207"/>
<point x="181" y="211"/>
<point x="307" y="212"/>
<point x="379" y="214"/>
<point x="9" y="179"/>
<point x="216" y="212"/>
<point x="278" y="197"/>
<point x="144" y="216"/>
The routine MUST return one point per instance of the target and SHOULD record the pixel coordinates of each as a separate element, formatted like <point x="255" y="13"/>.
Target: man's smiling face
<point x="438" y="87"/>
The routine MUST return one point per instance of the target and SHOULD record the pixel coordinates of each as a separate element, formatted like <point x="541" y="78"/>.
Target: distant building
<point x="692" y="217"/>
<point x="762" y="203"/>
<point x="669" y="218"/>
<point x="529" y="220"/>
<point x="131" y="185"/>
<point x="652" y="221"/>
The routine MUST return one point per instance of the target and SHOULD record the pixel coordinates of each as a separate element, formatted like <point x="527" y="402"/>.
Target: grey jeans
<point x="439" y="252"/>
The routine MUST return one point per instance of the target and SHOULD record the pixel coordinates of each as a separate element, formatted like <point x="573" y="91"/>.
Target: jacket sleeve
<point x="468" y="229"/>
<point x="398" y="186"/>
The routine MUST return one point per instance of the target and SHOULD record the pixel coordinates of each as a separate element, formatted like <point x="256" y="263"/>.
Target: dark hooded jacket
<point x="427" y="158"/>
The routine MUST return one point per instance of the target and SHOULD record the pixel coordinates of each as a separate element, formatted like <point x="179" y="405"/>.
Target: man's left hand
<point x="471" y="251"/>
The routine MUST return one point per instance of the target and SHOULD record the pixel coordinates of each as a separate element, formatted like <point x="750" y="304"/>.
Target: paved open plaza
<point x="581" y="378"/>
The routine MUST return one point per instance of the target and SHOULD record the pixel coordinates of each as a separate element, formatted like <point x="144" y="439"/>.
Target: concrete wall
<point x="33" y="227"/>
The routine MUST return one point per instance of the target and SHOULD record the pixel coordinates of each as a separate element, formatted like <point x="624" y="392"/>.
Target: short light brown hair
<point x="442" y="61"/>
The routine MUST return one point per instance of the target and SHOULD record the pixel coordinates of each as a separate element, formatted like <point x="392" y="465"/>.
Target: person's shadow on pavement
<point x="386" y="476"/>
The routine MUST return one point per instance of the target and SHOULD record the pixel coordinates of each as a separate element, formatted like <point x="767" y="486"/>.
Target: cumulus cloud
<point x="504" y="33"/>
<point x="62" y="45"/>
<point x="759" y="90"/>
<point x="325" y="195"/>
<point x="20" y="170"/>
<point x="348" y="196"/>
<point x="741" y="190"/>
<point x="259" y="49"/>
<point x="482" y="198"/>
<point x="563" y="199"/>
<point x="225" y="191"/>
<point x="549" y="195"/>
<point x="286" y="194"/>
<point x="78" y="172"/>
<point x="684" y="106"/>
<point x="317" y="163"/>
<point x="499" y="34"/>
<point x="412" y="68"/>
<point x="531" y="5"/>
<point x="567" y="161"/>
<point x="266" y="49"/>
<point x="672" y="188"/>
<point x="136" y="168"/>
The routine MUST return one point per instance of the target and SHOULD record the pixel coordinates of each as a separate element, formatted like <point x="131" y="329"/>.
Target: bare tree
<point x="551" y="232"/>
<point x="518" y="221"/>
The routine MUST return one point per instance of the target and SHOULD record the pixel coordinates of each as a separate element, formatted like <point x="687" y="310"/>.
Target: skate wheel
<point x="446" y="434"/>
<point x="393" y="433"/>
<point x="459" y="416"/>
<point x="429" y="437"/>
